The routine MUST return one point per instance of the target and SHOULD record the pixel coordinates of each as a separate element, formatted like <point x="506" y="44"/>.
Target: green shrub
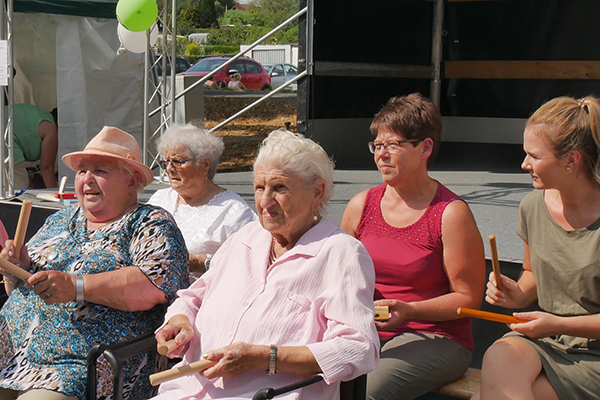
<point x="210" y="50"/>
<point x="192" y="49"/>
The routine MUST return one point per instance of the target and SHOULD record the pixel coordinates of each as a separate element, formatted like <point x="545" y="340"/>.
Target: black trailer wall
<point x="366" y="52"/>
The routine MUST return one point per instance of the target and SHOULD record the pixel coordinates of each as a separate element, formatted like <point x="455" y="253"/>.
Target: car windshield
<point x="207" y="65"/>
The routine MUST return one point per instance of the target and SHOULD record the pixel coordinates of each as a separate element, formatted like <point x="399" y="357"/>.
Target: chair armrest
<point x="115" y="354"/>
<point x="269" y="393"/>
<point x="355" y="389"/>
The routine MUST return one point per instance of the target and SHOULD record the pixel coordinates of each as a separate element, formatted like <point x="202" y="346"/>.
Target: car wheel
<point x="222" y="84"/>
<point x="266" y="87"/>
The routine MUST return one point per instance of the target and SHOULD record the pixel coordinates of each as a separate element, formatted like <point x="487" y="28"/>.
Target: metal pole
<point x="436" y="52"/>
<point x="274" y="92"/>
<point x="3" y="116"/>
<point x="7" y="158"/>
<point x="238" y="55"/>
<point x="145" y="128"/>
<point x="310" y="29"/>
<point x="173" y="60"/>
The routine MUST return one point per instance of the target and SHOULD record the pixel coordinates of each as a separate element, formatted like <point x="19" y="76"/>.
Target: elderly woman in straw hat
<point x="289" y="294"/>
<point x="104" y="270"/>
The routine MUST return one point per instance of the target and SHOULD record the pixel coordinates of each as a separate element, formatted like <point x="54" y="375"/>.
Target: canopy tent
<point x="81" y="8"/>
<point x="66" y="54"/>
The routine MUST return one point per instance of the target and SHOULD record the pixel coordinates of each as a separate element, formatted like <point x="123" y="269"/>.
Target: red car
<point x="254" y="75"/>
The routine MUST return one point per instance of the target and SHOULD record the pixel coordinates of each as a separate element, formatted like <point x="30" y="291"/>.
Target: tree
<point x="208" y="14"/>
<point x="222" y="6"/>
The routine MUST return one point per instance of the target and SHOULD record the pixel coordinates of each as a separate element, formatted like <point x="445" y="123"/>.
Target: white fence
<point x="276" y="53"/>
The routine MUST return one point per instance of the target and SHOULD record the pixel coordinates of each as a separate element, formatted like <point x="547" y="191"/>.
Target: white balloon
<point x="135" y="42"/>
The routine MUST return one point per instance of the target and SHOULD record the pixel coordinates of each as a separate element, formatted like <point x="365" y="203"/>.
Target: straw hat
<point x="115" y="143"/>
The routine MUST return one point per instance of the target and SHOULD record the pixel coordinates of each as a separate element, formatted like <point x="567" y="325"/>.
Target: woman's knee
<point x="505" y="351"/>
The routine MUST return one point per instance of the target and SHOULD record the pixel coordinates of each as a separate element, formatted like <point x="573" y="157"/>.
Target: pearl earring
<point x="315" y="218"/>
<point x="569" y="169"/>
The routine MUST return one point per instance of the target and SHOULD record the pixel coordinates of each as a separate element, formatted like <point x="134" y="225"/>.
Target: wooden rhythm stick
<point x="495" y="262"/>
<point x="382" y="313"/>
<point x="61" y="188"/>
<point x="166" y="347"/>
<point x="14" y="270"/>
<point x="22" y="227"/>
<point x="490" y="316"/>
<point x="173" y="373"/>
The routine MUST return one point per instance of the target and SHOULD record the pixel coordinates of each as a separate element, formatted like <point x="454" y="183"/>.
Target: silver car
<point x="281" y="73"/>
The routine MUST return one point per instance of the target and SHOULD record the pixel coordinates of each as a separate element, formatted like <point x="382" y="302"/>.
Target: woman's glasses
<point x="392" y="146"/>
<point x="176" y="163"/>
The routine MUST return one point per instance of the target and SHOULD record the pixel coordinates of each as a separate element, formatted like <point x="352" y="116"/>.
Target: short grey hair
<point x="128" y="171"/>
<point x="292" y="152"/>
<point x="197" y="142"/>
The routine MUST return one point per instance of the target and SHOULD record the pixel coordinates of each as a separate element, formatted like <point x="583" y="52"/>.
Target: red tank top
<point x="408" y="262"/>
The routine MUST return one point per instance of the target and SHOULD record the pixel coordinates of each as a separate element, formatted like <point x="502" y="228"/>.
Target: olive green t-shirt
<point x="27" y="141"/>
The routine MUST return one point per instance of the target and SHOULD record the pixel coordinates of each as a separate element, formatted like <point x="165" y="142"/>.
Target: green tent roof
<point x="83" y="8"/>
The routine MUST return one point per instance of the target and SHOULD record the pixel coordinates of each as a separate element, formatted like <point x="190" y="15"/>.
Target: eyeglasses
<point x="392" y="147"/>
<point x="176" y="163"/>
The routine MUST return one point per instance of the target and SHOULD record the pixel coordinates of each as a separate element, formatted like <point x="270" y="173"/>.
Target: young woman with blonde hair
<point x="556" y="353"/>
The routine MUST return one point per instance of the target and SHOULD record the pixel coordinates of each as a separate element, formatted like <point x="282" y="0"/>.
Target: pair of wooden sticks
<point x="489" y="315"/>
<point x="19" y="240"/>
<point x="381" y="314"/>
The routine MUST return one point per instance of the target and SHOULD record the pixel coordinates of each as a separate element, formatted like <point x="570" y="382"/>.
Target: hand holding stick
<point x="12" y="269"/>
<point x="173" y="373"/>
<point x="22" y="226"/>
<point x="167" y="347"/>
<point x="490" y="316"/>
<point x="382" y="313"/>
<point x="6" y="265"/>
<point x="496" y="263"/>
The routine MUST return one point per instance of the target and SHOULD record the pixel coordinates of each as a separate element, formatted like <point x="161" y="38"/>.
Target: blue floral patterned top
<point x="45" y="347"/>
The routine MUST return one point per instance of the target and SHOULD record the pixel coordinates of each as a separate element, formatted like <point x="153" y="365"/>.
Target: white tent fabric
<point x="72" y="63"/>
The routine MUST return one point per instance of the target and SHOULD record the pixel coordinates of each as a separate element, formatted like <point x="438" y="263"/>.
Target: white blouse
<point x="206" y="227"/>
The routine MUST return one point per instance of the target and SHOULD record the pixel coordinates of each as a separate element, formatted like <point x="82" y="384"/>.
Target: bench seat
<point x="463" y="387"/>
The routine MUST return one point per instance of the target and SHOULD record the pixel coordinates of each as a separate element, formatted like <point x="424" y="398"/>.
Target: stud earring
<point x="569" y="169"/>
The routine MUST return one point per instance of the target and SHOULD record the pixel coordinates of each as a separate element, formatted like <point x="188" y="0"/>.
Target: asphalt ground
<point x="487" y="177"/>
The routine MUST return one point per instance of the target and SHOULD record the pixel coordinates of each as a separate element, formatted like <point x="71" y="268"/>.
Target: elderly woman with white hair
<point x="206" y="213"/>
<point x="288" y="296"/>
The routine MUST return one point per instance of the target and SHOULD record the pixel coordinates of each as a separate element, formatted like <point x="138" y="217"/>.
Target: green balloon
<point x="137" y="15"/>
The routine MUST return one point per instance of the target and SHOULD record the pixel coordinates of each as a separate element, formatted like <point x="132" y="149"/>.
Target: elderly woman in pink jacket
<point x="286" y="297"/>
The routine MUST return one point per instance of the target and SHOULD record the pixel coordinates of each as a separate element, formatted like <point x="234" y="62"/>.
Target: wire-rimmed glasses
<point x="176" y="163"/>
<point x="393" y="146"/>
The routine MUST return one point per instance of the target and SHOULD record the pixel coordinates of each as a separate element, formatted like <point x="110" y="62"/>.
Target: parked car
<point x="282" y="73"/>
<point x="182" y="64"/>
<point x="254" y="75"/>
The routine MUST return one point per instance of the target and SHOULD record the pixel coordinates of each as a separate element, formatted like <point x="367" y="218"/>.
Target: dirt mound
<point x="243" y="135"/>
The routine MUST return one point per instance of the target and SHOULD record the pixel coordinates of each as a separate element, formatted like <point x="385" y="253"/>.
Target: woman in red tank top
<point x="427" y="251"/>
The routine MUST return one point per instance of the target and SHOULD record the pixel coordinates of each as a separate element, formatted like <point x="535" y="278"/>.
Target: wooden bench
<point x="464" y="387"/>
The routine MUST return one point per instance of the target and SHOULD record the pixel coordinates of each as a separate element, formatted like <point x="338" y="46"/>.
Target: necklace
<point x="272" y="255"/>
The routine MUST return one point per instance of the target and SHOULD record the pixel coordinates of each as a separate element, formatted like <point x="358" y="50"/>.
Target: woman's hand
<point x="540" y="324"/>
<point x="512" y="296"/>
<point x="197" y="263"/>
<point x="178" y="328"/>
<point x="236" y="358"/>
<point x="22" y="260"/>
<point x="54" y="286"/>
<point x="399" y="311"/>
